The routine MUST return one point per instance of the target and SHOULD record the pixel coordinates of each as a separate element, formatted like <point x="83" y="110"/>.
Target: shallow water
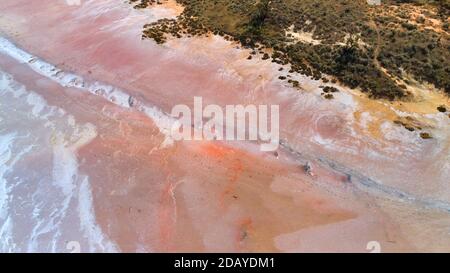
<point x="106" y="175"/>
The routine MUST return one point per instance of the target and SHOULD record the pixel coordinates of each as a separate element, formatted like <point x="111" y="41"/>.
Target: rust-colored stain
<point x="216" y="151"/>
<point x="230" y="158"/>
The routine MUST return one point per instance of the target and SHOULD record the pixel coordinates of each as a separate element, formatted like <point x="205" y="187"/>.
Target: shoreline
<point x="373" y="118"/>
<point x="164" y="122"/>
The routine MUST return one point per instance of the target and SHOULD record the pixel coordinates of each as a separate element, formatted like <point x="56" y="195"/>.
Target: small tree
<point x="257" y="18"/>
<point x="348" y="53"/>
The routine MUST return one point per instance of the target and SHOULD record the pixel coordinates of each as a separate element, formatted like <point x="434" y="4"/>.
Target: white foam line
<point x="5" y="155"/>
<point x="65" y="145"/>
<point x="66" y="79"/>
<point x="88" y="222"/>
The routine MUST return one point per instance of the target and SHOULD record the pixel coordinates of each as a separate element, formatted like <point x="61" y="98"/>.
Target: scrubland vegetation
<point x="378" y="49"/>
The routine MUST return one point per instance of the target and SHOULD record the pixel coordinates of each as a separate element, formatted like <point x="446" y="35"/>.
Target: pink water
<point x="78" y="164"/>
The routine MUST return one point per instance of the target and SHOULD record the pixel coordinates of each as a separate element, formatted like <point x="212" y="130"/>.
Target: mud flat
<point x="373" y="180"/>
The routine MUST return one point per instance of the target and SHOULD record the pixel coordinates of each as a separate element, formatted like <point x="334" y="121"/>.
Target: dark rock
<point x="425" y="135"/>
<point x="442" y="109"/>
